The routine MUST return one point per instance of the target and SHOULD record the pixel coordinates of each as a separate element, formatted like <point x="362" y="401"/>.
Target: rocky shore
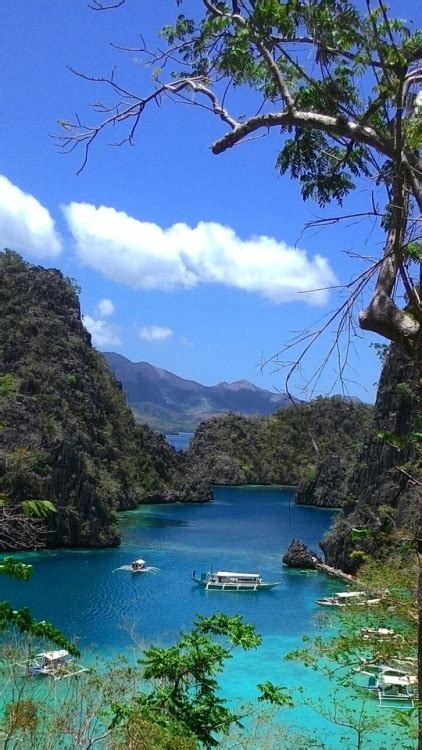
<point x="299" y="556"/>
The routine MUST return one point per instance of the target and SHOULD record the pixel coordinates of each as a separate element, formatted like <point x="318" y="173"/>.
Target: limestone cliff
<point x="233" y="449"/>
<point x="326" y="488"/>
<point x="381" y="495"/>
<point x="66" y="432"/>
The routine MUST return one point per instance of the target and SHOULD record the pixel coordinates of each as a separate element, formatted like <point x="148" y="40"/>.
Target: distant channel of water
<point x="180" y="440"/>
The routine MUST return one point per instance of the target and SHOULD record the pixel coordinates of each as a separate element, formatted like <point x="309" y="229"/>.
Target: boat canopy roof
<point x="348" y="594"/>
<point x="226" y="574"/>
<point x="395" y="679"/>
<point x="54" y="655"/>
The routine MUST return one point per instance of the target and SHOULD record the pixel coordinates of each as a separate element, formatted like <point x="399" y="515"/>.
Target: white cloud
<point x="145" y="256"/>
<point x="154" y="333"/>
<point x="104" y="308"/>
<point x="25" y="225"/>
<point x="103" y="334"/>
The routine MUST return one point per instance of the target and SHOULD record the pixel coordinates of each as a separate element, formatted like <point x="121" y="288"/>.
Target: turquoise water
<point x="245" y="529"/>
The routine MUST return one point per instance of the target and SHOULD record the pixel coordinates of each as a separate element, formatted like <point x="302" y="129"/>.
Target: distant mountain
<point x="167" y="402"/>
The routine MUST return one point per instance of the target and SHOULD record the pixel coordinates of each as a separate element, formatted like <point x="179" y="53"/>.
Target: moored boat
<point x="138" y="566"/>
<point x="390" y="683"/>
<point x="396" y="687"/>
<point x="232" y="581"/>
<point x="56" y="664"/>
<point x="380" y="634"/>
<point x="344" y="598"/>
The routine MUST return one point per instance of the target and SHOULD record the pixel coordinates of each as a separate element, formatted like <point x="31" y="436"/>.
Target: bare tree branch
<point x="19" y="531"/>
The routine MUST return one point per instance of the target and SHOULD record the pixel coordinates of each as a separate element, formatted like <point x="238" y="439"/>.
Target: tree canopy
<point x="339" y="82"/>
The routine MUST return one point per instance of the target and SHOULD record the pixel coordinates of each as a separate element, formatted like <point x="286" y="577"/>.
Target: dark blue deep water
<point x="245" y="528"/>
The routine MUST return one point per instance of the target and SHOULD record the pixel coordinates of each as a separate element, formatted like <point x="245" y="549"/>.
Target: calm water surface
<point x="245" y="529"/>
<point x="180" y="440"/>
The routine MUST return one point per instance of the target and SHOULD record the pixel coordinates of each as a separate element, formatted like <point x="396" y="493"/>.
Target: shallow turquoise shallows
<point x="245" y="529"/>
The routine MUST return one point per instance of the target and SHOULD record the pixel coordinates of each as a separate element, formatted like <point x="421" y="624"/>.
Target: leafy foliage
<point x="9" y="566"/>
<point x="184" y="697"/>
<point x="38" y="508"/>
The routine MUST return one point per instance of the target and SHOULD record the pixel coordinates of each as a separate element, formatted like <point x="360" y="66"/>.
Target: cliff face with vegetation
<point x="66" y="432"/>
<point x="278" y="449"/>
<point x="382" y="496"/>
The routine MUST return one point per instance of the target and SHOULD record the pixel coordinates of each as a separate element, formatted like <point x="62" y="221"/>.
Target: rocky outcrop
<point x="201" y="495"/>
<point x="327" y="487"/>
<point x="235" y="450"/>
<point x="66" y="431"/>
<point x="381" y="495"/>
<point x="299" y="556"/>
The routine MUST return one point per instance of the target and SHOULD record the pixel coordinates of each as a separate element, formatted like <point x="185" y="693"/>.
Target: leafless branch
<point x="82" y="134"/>
<point x="19" y="531"/>
<point x="99" y="5"/>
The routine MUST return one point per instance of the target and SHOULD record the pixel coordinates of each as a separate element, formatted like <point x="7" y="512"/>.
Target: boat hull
<point x="215" y="586"/>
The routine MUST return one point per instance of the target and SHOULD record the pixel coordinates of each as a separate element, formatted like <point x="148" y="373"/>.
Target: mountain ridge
<point x="167" y="401"/>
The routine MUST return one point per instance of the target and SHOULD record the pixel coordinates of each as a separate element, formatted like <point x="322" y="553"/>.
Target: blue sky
<point x="173" y="268"/>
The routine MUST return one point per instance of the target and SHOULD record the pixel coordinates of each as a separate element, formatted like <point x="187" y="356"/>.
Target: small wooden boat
<point x="347" y="598"/>
<point x="229" y="581"/>
<point x="138" y="566"/>
<point x="390" y="683"/>
<point x="56" y="664"/>
<point x="396" y="687"/>
<point x="307" y="571"/>
<point x="380" y="634"/>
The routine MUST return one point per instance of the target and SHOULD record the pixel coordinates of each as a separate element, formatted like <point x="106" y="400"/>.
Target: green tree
<point x="184" y="695"/>
<point x="339" y="84"/>
<point x="168" y="700"/>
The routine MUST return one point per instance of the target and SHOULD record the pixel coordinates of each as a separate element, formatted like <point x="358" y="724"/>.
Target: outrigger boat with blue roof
<point x="231" y="581"/>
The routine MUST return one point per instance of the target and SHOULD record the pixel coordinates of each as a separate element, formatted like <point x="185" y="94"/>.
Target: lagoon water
<point x="245" y="528"/>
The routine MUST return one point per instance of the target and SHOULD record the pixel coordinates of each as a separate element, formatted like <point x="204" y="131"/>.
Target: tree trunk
<point x="420" y="643"/>
<point x="419" y="552"/>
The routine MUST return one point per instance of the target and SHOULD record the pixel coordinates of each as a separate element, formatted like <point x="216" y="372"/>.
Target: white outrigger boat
<point x="390" y="683"/>
<point x="138" y="566"/>
<point x="56" y="664"/>
<point x="345" y="598"/>
<point x="227" y="581"/>
<point x="380" y="634"/>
